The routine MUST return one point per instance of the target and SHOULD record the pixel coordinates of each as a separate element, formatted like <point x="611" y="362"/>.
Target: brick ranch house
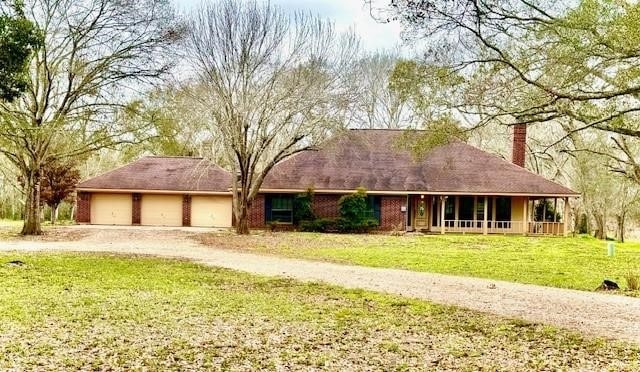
<point x="453" y="188"/>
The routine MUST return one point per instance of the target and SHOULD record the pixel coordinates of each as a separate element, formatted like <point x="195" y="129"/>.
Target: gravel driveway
<point x="591" y="313"/>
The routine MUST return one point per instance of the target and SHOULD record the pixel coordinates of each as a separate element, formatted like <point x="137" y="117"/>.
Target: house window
<point x="373" y="204"/>
<point x="503" y="209"/>
<point x="480" y="210"/>
<point x="279" y="208"/>
<point x="435" y="212"/>
<point x="450" y="211"/>
<point x="465" y="208"/>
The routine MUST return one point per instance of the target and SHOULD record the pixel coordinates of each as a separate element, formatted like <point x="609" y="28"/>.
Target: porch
<point x="487" y="214"/>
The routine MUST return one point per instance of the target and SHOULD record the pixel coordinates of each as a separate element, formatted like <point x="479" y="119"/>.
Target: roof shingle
<point x="373" y="159"/>
<point x="164" y="173"/>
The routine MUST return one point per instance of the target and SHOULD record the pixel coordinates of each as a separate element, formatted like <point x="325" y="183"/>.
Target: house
<point x="452" y="188"/>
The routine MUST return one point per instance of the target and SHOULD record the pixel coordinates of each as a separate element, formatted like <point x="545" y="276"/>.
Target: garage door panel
<point x="161" y="210"/>
<point x="111" y="209"/>
<point x="211" y="211"/>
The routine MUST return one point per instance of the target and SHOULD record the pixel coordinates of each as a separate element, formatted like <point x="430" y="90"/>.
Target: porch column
<point x="565" y="218"/>
<point x="525" y="216"/>
<point x="485" y="227"/>
<point x="456" y="211"/>
<point x="443" y="200"/>
<point x="555" y="217"/>
<point x="493" y="209"/>
<point x="407" y="219"/>
<point x="475" y="211"/>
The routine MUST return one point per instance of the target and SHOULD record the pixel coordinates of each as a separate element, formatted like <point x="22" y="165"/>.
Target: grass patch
<point x="75" y="311"/>
<point x="577" y="263"/>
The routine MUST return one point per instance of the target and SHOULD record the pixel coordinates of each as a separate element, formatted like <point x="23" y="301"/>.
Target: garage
<point x="151" y="191"/>
<point x="161" y="210"/>
<point x="211" y="211"/>
<point x="111" y="209"/>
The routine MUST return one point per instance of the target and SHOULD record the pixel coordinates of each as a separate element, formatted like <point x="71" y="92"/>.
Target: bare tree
<point x="95" y="54"/>
<point x="274" y="84"/>
<point x="376" y="105"/>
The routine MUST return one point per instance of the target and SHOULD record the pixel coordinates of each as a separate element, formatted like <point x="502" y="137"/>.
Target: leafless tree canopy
<point x="274" y="84"/>
<point x="95" y="55"/>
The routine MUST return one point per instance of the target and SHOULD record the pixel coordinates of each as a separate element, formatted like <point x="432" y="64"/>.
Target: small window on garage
<point x="279" y="208"/>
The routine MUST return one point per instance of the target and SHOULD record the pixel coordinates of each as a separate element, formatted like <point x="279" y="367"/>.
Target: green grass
<point x="75" y="311"/>
<point x="578" y="263"/>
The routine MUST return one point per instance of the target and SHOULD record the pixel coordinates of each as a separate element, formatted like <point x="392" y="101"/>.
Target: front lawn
<point x="578" y="263"/>
<point x="82" y="311"/>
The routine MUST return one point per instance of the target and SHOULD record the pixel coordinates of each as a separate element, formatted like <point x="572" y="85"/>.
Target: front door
<point x="421" y="212"/>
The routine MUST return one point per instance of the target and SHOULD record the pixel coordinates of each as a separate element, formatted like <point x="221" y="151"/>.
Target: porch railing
<point x="546" y="228"/>
<point x="503" y="227"/>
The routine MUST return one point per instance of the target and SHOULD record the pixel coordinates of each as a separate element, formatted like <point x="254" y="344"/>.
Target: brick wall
<point x="326" y="205"/>
<point x="391" y="214"/>
<point x="137" y="208"/>
<point x="186" y="210"/>
<point x="256" y="212"/>
<point x="83" y="208"/>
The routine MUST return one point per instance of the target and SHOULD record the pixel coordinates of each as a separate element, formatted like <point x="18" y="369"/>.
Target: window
<point x="480" y="210"/>
<point x="279" y="208"/>
<point x="503" y="209"/>
<point x="373" y="204"/>
<point x="450" y="211"/>
<point x="465" y="208"/>
<point x="435" y="212"/>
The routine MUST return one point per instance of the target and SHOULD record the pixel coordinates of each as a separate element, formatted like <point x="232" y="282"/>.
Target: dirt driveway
<point x="591" y="313"/>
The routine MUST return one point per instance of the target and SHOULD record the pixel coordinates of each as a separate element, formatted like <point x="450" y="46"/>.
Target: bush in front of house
<point x="355" y="214"/>
<point x="303" y="208"/>
<point x="319" y="225"/>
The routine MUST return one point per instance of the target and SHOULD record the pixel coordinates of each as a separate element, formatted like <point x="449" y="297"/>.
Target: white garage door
<point x="211" y="211"/>
<point x="161" y="210"/>
<point x="111" y="209"/>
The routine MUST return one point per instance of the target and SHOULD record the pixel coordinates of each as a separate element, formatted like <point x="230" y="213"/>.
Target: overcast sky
<point x="345" y="14"/>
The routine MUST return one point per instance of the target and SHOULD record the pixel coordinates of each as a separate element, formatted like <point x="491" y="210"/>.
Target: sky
<point x="345" y="14"/>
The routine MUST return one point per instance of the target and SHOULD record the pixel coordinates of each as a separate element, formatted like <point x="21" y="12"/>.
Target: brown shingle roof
<point x="373" y="159"/>
<point x="164" y="173"/>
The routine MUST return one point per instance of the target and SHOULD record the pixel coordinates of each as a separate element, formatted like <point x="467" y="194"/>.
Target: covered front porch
<point x="488" y="214"/>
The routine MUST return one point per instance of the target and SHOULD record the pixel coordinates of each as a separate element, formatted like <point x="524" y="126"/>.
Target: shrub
<point x="355" y="213"/>
<point x="359" y="226"/>
<point x="273" y="225"/>
<point x="633" y="281"/>
<point x="303" y="207"/>
<point x="583" y="224"/>
<point x="318" y="225"/>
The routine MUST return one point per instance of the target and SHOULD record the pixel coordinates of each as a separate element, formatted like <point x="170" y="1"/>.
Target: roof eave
<point x="571" y="194"/>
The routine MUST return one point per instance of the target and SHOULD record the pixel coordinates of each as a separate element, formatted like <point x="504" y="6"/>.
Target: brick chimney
<point x="519" y="144"/>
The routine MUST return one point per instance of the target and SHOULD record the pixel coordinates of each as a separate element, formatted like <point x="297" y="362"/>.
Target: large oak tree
<point x="274" y="86"/>
<point x="95" y="56"/>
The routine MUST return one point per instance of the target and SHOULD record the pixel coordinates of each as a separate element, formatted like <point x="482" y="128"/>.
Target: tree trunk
<point x="600" y="226"/>
<point x="54" y="214"/>
<point x="621" y="218"/>
<point x="242" y="216"/>
<point x="32" y="222"/>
